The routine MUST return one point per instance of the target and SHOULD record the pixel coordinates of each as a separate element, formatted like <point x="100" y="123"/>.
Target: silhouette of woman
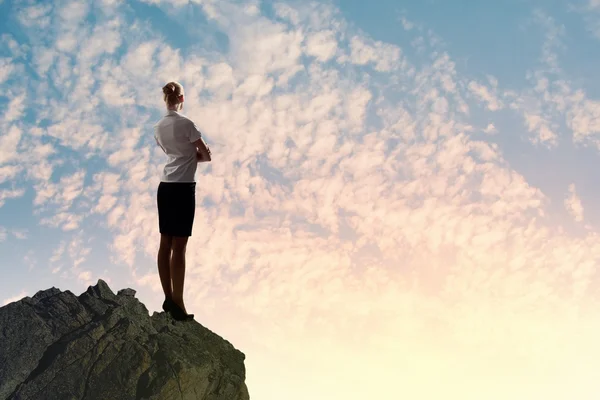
<point x="181" y="141"/>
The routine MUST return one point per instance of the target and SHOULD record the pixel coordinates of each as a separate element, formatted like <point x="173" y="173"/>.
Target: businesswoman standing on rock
<point x="181" y="141"/>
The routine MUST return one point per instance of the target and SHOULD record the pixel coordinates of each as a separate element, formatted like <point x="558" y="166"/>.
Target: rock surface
<point x="103" y="346"/>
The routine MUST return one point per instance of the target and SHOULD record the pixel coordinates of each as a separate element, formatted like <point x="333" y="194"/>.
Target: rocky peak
<point x="101" y="345"/>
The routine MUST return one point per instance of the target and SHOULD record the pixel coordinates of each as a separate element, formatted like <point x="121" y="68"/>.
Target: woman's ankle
<point x="178" y="300"/>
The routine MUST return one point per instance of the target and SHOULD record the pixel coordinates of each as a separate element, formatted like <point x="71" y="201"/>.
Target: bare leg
<point x="164" y="264"/>
<point x="178" y="269"/>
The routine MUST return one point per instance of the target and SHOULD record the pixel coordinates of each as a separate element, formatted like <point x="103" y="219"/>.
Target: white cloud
<point x="6" y="194"/>
<point x="141" y="59"/>
<point x="66" y="42"/>
<point x="262" y="47"/>
<point x="385" y="57"/>
<point x="111" y="3"/>
<point x="57" y="254"/>
<point x="78" y="253"/>
<point x="86" y="278"/>
<point x="583" y="117"/>
<point x="62" y="194"/>
<point x="6" y="68"/>
<point x="573" y="204"/>
<point x="20" y="234"/>
<point x="490" y="129"/>
<point x="36" y="16"/>
<point x="356" y="104"/>
<point x="116" y="94"/>
<point x="105" y="39"/>
<point x="30" y="260"/>
<point x="554" y="33"/>
<point x="105" y="204"/>
<point x="540" y="126"/>
<point x="484" y="94"/>
<point x="8" y="172"/>
<point x="288" y="12"/>
<point x="15" y="109"/>
<point x="17" y="50"/>
<point x="64" y="220"/>
<point x="406" y="24"/>
<point x="170" y="2"/>
<point x="590" y="13"/>
<point x="74" y="11"/>
<point x="14" y="298"/>
<point x="322" y="45"/>
<point x="43" y="59"/>
<point x="8" y="144"/>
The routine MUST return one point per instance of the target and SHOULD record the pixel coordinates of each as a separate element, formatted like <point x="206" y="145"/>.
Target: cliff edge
<point x="105" y="346"/>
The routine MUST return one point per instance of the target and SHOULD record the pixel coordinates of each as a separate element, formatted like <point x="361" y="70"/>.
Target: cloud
<point x="104" y="40"/>
<point x="63" y="193"/>
<point x="554" y="32"/>
<point x="321" y="45"/>
<point x="30" y="260"/>
<point x="484" y="94"/>
<point x="15" y="298"/>
<point x="35" y="16"/>
<point x="6" y="194"/>
<point x="8" y="172"/>
<point x="17" y="50"/>
<point x="86" y="278"/>
<point x="490" y="129"/>
<point x="18" y="234"/>
<point x="74" y="11"/>
<point x="573" y="204"/>
<point x="6" y="69"/>
<point x="16" y="107"/>
<point x="406" y="24"/>
<point x="8" y="144"/>
<point x="583" y="117"/>
<point x="57" y="255"/>
<point x="539" y="125"/>
<point x="70" y="255"/>
<point x="384" y="56"/>
<point x="551" y="100"/>
<point x="590" y="14"/>
<point x="63" y="220"/>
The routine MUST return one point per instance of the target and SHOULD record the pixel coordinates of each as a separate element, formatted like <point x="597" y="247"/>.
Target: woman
<point x="181" y="141"/>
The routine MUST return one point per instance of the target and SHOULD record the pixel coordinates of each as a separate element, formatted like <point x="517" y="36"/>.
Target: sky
<point x="403" y="196"/>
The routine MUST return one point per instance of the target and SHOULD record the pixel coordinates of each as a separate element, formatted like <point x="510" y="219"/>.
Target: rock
<point x="126" y="292"/>
<point x="99" y="345"/>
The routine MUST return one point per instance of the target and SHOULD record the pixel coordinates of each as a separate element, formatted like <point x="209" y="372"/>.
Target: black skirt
<point x="176" y="203"/>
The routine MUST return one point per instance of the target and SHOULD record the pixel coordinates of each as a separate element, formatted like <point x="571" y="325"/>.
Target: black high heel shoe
<point x="176" y="312"/>
<point x="167" y="305"/>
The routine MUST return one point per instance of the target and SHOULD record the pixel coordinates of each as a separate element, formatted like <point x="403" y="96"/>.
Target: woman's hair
<point x="171" y="93"/>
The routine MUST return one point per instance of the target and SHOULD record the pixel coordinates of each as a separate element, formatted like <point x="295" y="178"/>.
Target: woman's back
<point x="176" y="134"/>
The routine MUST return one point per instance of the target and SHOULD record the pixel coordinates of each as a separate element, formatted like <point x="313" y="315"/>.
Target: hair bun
<point x="169" y="89"/>
<point x="172" y="92"/>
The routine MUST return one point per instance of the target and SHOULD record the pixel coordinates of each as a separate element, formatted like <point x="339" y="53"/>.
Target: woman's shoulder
<point x="184" y="117"/>
<point x="160" y="121"/>
<point x="185" y="120"/>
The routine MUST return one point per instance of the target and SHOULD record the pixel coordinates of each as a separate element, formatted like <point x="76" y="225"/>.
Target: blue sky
<point x="416" y="180"/>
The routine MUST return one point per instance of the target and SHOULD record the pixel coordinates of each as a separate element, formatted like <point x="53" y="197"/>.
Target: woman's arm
<point x="202" y="151"/>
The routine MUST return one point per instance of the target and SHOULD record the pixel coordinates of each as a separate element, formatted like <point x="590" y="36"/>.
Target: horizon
<point x="402" y="197"/>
